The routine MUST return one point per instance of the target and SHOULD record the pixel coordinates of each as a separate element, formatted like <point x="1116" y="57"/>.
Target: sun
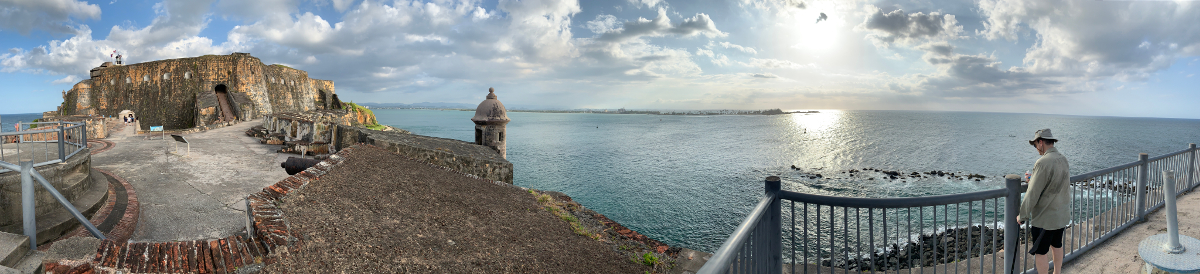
<point x="812" y="34"/>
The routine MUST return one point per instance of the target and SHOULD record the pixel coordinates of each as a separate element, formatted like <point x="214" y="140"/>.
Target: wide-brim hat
<point x="1042" y="134"/>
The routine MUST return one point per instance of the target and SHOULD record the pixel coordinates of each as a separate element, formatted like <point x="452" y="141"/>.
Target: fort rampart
<point x="194" y="92"/>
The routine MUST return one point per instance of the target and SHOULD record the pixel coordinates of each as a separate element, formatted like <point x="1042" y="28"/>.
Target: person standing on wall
<point x="1047" y="202"/>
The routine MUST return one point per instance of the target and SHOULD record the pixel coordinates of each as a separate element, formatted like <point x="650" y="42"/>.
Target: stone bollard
<point x="1170" y="252"/>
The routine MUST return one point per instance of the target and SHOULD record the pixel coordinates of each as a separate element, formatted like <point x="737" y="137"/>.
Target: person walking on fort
<point x="1047" y="202"/>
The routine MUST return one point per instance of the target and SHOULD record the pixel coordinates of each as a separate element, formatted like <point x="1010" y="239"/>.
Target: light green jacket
<point x="1047" y="202"/>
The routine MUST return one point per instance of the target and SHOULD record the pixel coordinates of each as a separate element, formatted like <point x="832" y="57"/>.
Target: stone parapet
<point x="312" y="126"/>
<point x="456" y="155"/>
<point x="71" y="179"/>
<point x="188" y="92"/>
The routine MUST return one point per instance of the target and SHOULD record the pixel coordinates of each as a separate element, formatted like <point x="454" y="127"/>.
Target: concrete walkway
<point x="1120" y="253"/>
<point x="198" y="196"/>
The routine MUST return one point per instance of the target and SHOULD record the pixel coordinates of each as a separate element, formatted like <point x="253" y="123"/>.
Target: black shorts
<point x="1044" y="239"/>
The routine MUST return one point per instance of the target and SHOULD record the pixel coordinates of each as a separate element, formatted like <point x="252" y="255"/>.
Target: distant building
<point x="490" y="120"/>
<point x="197" y="91"/>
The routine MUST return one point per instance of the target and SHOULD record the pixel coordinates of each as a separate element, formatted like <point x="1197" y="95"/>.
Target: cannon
<point x="295" y="165"/>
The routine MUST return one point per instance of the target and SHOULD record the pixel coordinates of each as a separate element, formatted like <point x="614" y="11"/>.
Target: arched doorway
<point x="321" y="99"/>
<point x="223" y="100"/>
<point x="128" y="113"/>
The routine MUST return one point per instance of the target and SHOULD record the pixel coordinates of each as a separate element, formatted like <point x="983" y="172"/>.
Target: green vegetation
<point x="368" y="120"/>
<point x="558" y="209"/>
<point x="32" y="126"/>
<point x="649" y="259"/>
<point x="281" y="66"/>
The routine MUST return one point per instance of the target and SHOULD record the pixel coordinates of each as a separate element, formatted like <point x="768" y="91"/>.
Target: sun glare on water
<point x="817" y="122"/>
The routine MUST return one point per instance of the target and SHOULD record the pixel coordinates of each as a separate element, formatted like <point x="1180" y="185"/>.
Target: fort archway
<point x="128" y="113"/>
<point x="222" y="94"/>
<point x="321" y="100"/>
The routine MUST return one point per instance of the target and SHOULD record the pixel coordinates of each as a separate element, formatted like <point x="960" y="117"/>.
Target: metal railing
<point x="959" y="233"/>
<point x="57" y="144"/>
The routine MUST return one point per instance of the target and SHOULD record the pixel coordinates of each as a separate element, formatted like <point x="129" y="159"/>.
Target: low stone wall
<point x="312" y="126"/>
<point x="68" y="178"/>
<point x="456" y="155"/>
<point x="97" y="126"/>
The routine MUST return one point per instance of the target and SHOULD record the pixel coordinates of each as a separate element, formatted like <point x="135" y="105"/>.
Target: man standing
<point x="1047" y="202"/>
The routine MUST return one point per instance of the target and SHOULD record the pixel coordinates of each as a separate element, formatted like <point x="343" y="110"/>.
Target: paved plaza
<point x="197" y="196"/>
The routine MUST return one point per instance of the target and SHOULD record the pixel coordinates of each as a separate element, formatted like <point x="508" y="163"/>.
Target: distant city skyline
<point x="1096" y="58"/>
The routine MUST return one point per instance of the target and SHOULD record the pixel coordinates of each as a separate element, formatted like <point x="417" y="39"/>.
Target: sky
<point x="1086" y="57"/>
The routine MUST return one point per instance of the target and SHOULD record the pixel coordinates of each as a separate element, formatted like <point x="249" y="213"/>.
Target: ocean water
<point x="7" y="121"/>
<point x="689" y="180"/>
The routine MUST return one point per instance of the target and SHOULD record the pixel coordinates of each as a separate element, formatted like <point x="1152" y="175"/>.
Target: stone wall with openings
<point x="182" y="93"/>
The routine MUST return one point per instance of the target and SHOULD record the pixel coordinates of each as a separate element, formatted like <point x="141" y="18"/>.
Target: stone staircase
<point x="15" y="256"/>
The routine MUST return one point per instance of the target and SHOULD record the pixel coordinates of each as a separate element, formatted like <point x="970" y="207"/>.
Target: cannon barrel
<point x="295" y="165"/>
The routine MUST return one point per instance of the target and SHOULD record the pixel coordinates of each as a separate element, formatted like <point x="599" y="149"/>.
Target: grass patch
<point x="369" y="117"/>
<point x="647" y="259"/>
<point x="561" y="210"/>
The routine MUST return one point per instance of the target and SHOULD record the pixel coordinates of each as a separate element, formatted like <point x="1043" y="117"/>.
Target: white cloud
<point x="70" y="79"/>
<point x="172" y="34"/>
<point x="604" y="23"/>
<point x="52" y="16"/>
<point x="1127" y="41"/>
<point x="342" y="5"/>
<point x="739" y="48"/>
<point x="715" y="58"/>
<point x="700" y="24"/>
<point x="648" y="3"/>
<point x="253" y="10"/>
<point x="898" y="26"/>
<point x="175" y="20"/>
<point x="767" y="75"/>
<point x="769" y="63"/>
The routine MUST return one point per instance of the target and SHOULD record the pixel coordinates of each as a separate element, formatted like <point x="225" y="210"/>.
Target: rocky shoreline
<point x="625" y="241"/>
<point x="951" y="245"/>
<point x="895" y="175"/>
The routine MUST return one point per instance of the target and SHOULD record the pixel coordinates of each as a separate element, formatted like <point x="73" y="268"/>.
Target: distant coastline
<point x="625" y="111"/>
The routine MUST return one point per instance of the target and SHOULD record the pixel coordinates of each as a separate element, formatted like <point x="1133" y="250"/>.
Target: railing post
<point x="83" y="134"/>
<point x="1191" y="169"/>
<point x="1173" y="246"/>
<point x="771" y="242"/>
<point x="1143" y="179"/>
<point x="1012" y="205"/>
<point x="62" y="141"/>
<point x="27" y="202"/>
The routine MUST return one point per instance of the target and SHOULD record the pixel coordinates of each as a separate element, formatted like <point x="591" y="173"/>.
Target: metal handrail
<point x="725" y="255"/>
<point x="1168" y="155"/>
<point x="892" y="202"/>
<point x="1105" y="207"/>
<point x="29" y="175"/>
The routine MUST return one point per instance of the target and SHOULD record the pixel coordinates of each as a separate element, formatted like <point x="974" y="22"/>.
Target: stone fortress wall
<point x="186" y="92"/>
